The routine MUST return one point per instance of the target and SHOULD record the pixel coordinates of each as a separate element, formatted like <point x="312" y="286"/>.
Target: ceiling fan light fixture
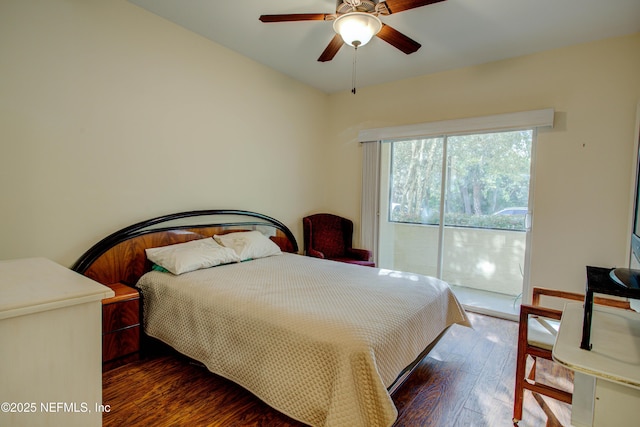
<point x="357" y="28"/>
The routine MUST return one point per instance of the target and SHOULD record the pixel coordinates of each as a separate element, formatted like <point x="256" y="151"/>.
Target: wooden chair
<point x="536" y="336"/>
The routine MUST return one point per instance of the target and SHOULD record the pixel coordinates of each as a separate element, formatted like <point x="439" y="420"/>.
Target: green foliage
<point x="485" y="173"/>
<point x="498" y="222"/>
<point x="502" y="222"/>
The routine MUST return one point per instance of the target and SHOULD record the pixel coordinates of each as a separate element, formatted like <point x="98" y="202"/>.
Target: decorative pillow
<point x="249" y="244"/>
<point x="190" y="256"/>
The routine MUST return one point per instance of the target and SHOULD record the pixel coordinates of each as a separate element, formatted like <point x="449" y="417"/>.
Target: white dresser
<point x="50" y="345"/>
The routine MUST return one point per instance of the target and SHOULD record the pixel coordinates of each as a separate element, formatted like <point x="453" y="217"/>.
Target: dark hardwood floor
<point x="466" y="380"/>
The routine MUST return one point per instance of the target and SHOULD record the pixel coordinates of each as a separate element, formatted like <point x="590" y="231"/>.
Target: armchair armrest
<point x="540" y="344"/>
<point x="527" y="310"/>
<point x="312" y="252"/>
<point x="359" y="254"/>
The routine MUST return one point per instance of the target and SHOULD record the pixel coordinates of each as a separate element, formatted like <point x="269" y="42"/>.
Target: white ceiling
<point x="453" y="34"/>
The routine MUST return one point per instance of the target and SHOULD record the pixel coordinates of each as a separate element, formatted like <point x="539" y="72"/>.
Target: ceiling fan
<point x="351" y="16"/>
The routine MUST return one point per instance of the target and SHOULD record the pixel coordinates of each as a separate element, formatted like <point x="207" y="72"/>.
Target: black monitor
<point x="627" y="277"/>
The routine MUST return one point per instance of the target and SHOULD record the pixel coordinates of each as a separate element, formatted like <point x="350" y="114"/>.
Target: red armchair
<point x="329" y="236"/>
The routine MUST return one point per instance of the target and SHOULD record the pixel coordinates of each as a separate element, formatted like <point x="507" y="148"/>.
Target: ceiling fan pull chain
<point x="353" y="73"/>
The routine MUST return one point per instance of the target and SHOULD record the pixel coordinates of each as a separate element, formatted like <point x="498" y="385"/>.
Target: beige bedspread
<point x="317" y="340"/>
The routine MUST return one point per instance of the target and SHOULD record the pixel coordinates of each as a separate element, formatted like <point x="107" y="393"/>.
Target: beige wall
<point x="110" y="115"/>
<point x="583" y="166"/>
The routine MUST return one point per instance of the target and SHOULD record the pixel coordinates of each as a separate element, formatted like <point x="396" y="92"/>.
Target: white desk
<point x="607" y="378"/>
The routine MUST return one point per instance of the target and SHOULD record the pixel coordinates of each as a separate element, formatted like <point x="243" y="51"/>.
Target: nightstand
<point x="120" y="327"/>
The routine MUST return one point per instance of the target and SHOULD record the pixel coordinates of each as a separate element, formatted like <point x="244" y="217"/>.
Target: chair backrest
<point x="328" y="233"/>
<point x="538" y="292"/>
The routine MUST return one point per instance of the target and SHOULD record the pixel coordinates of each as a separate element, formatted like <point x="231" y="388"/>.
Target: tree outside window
<point x="487" y="180"/>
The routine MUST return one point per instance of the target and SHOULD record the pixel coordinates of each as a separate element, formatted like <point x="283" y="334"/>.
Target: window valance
<point x="510" y="121"/>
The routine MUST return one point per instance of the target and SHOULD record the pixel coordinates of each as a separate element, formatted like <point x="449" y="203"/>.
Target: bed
<point x="326" y="343"/>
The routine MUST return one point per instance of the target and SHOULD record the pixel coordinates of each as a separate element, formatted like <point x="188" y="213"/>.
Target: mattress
<point x="318" y="340"/>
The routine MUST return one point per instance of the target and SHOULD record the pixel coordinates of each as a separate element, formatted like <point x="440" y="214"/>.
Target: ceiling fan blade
<point x="398" y="40"/>
<point x="395" y="6"/>
<point x="330" y="51"/>
<point x="296" y="17"/>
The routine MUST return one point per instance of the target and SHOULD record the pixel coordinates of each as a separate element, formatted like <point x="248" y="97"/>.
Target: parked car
<point x="513" y="211"/>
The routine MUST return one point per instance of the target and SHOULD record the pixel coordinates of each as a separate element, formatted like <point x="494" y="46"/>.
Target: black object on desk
<point x="599" y="280"/>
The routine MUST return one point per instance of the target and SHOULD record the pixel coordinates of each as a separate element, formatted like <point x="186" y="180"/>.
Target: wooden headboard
<point x="120" y="257"/>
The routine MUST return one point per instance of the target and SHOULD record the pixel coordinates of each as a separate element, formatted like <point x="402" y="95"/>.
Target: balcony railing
<point x="485" y="259"/>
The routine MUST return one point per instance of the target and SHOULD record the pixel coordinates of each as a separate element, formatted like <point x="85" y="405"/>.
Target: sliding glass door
<point x="457" y="207"/>
<point x="411" y="186"/>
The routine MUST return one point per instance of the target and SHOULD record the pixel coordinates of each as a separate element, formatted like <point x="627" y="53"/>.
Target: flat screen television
<point x="628" y="277"/>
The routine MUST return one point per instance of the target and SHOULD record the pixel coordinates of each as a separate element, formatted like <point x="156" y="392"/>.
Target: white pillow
<point x="190" y="256"/>
<point x="249" y="244"/>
